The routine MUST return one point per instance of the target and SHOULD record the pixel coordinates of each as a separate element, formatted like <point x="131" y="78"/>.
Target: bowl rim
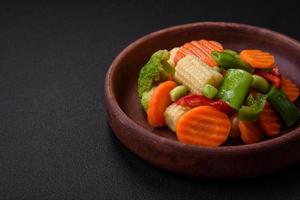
<point x="148" y="135"/>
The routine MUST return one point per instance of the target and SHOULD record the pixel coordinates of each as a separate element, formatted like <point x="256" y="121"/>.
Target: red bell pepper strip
<point x="195" y="100"/>
<point x="270" y="77"/>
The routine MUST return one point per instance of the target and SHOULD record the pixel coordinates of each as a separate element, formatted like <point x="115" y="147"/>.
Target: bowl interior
<point x="232" y="36"/>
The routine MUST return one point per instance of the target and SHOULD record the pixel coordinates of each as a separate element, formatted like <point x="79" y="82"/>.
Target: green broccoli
<point x="156" y="70"/>
<point x="146" y="98"/>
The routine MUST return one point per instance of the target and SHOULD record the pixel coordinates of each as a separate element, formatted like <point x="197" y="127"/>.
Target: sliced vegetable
<point x="156" y="70"/>
<point x="269" y="121"/>
<point x="260" y="84"/>
<point x="250" y="132"/>
<point x="290" y="89"/>
<point x="235" y="87"/>
<point x="160" y="100"/>
<point x="284" y="107"/>
<point x="195" y="74"/>
<point x="270" y="77"/>
<point x="209" y="91"/>
<point x="257" y="58"/>
<point x="201" y="49"/>
<point x="200" y="100"/>
<point x="227" y="61"/>
<point x="204" y="126"/>
<point x="178" y="92"/>
<point x="173" y="113"/>
<point x="254" y="106"/>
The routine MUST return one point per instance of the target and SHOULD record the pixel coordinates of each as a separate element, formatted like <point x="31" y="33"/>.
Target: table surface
<point x="54" y="139"/>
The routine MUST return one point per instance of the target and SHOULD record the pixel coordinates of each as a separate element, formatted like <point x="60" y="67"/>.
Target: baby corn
<point x="195" y="74"/>
<point x="172" y="114"/>
<point x="172" y="56"/>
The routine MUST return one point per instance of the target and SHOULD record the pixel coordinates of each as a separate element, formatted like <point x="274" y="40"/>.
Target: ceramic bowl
<point x="159" y="146"/>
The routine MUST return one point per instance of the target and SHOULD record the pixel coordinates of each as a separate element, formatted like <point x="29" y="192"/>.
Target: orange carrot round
<point x="203" y="125"/>
<point x="250" y="132"/>
<point x="290" y="88"/>
<point x="159" y="101"/>
<point x="269" y="121"/>
<point x="201" y="49"/>
<point x="257" y="58"/>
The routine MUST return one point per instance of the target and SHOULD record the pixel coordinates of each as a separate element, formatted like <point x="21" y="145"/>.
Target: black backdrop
<point x="54" y="140"/>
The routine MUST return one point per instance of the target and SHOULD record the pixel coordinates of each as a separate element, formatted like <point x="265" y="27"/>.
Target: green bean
<point x="229" y="61"/>
<point x="209" y="91"/>
<point x="231" y="52"/>
<point x="284" y="107"/>
<point x="178" y="92"/>
<point x="260" y="84"/>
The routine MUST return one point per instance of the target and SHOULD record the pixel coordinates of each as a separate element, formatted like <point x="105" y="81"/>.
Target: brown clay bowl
<point x="160" y="146"/>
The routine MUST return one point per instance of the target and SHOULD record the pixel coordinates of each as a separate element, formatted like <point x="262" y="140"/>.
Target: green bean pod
<point x="286" y="109"/>
<point x="228" y="61"/>
<point x="235" y="87"/>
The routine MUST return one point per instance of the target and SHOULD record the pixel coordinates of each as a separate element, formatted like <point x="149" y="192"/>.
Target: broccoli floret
<point x="157" y="69"/>
<point x="146" y="98"/>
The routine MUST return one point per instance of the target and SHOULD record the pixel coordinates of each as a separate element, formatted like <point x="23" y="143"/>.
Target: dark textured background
<point x="54" y="140"/>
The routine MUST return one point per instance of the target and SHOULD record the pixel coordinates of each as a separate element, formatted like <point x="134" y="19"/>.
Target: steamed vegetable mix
<point x="205" y="93"/>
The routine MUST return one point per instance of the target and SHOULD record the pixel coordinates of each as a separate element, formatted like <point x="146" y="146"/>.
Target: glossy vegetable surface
<point x="285" y="108"/>
<point x="235" y="87"/>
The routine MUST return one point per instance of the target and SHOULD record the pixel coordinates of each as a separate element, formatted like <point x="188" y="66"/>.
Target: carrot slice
<point x="197" y="52"/>
<point x="257" y="58"/>
<point x="159" y="101"/>
<point x="207" y="53"/>
<point x="250" y="131"/>
<point x="218" y="46"/>
<point x="269" y="121"/>
<point x="203" y="125"/>
<point x="201" y="49"/>
<point x="290" y="88"/>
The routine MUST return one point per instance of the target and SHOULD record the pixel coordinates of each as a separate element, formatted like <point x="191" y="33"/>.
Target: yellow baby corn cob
<point x="172" y="56"/>
<point x="195" y="74"/>
<point x="172" y="114"/>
